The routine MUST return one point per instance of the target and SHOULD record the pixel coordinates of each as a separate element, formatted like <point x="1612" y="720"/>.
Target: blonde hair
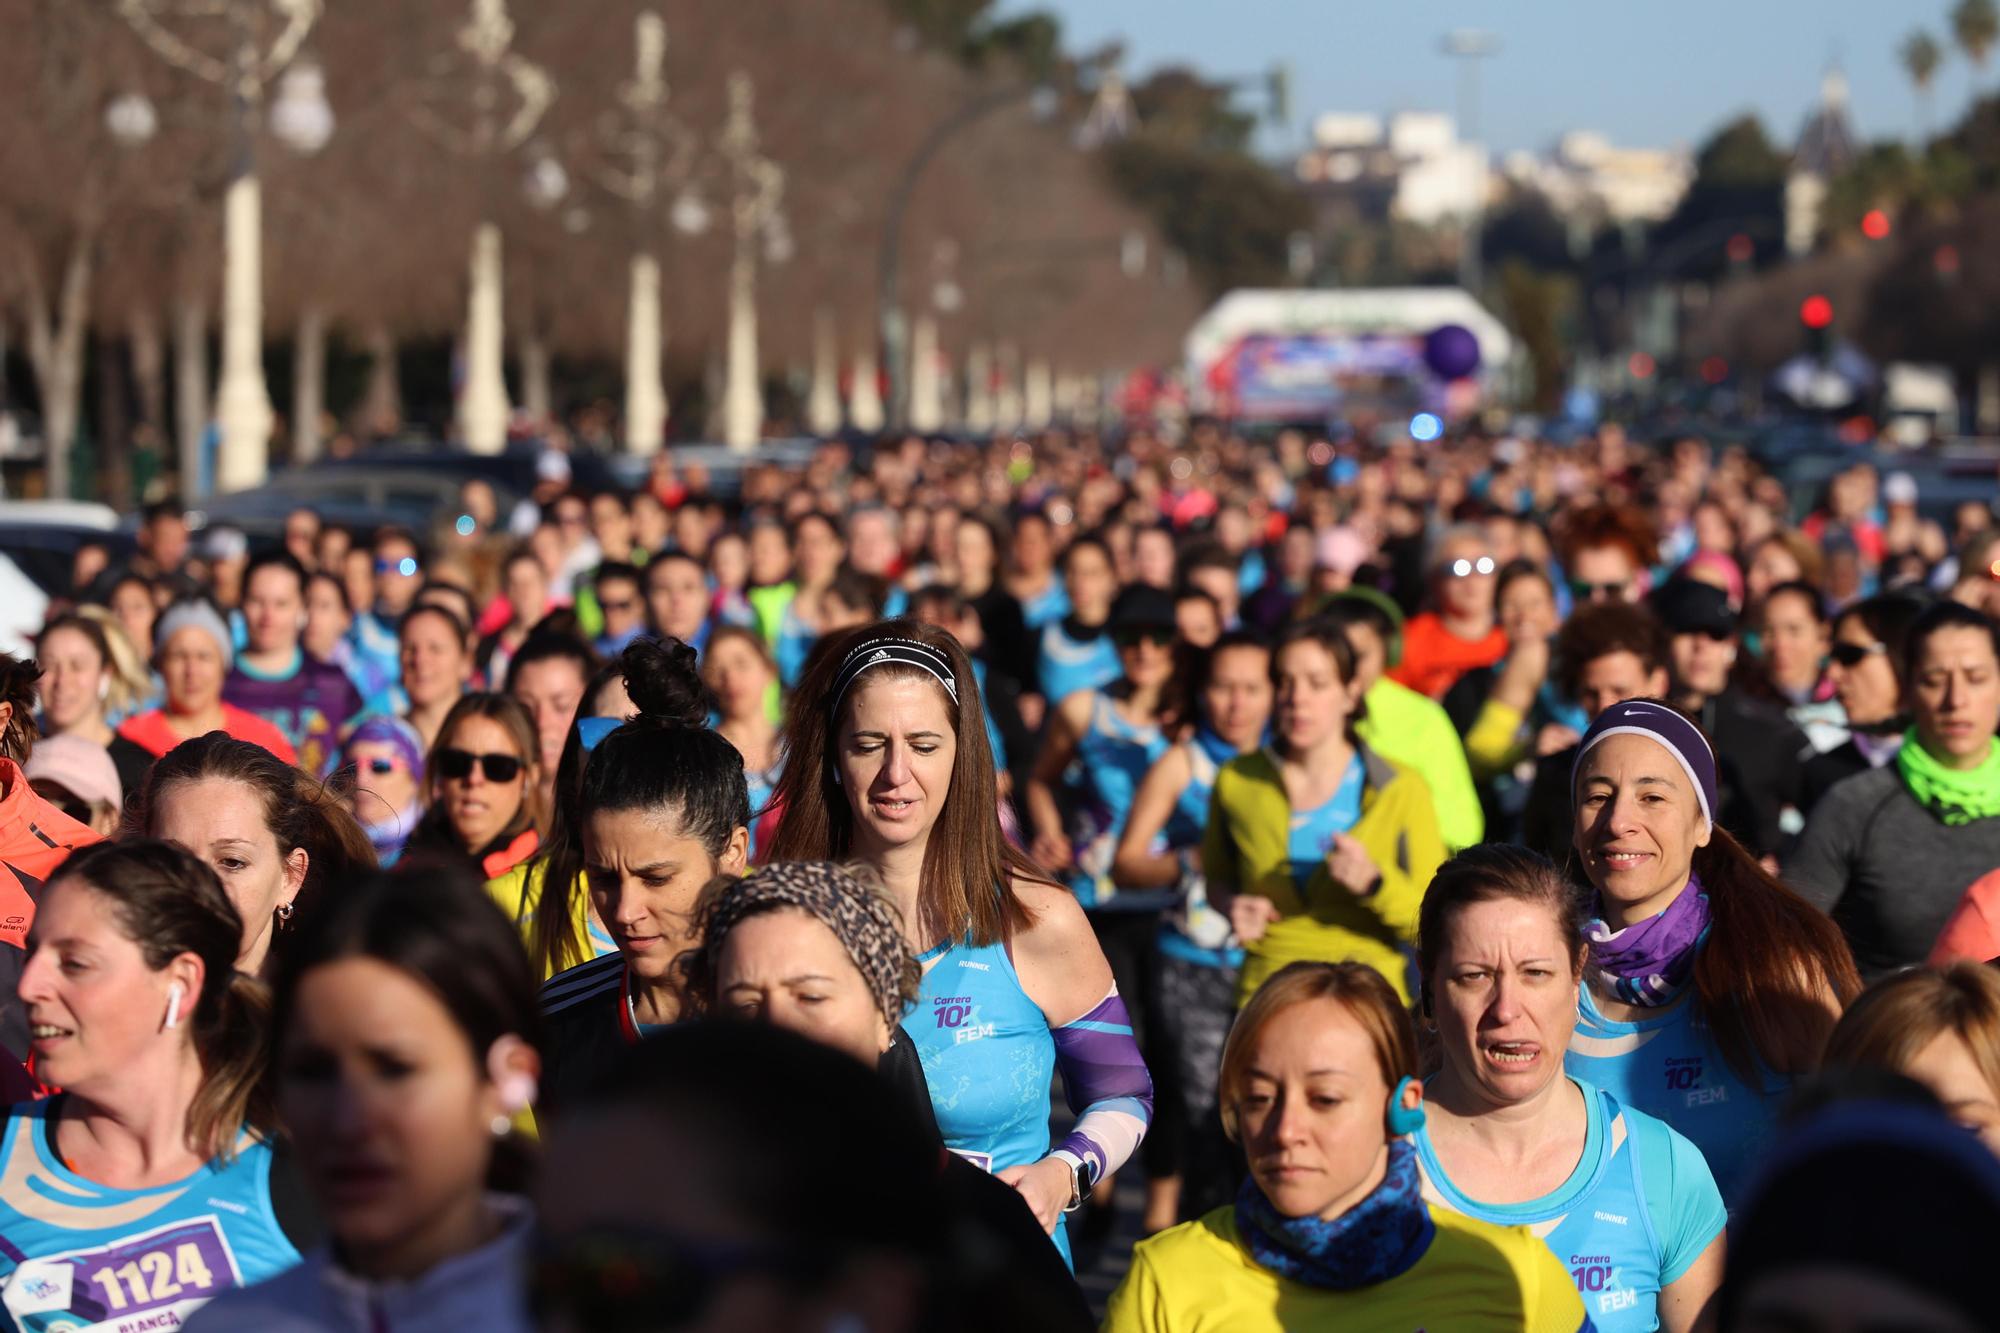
<point x="1357" y="988"/>
<point x="131" y="679"/>
<point x="1894" y="1019"/>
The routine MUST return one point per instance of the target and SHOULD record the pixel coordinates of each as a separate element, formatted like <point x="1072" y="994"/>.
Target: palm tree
<point x="1921" y="57"/>
<point x="1976" y="26"/>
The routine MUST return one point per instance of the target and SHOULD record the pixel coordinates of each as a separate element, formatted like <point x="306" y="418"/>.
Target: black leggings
<point x="1130" y="941"/>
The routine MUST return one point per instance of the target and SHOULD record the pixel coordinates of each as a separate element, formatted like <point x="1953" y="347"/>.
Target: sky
<point x="1647" y="74"/>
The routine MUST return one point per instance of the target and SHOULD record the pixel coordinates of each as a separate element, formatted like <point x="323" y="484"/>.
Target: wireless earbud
<point x="175" y="993"/>
<point x="1405" y="1119"/>
<point x="103" y="689"/>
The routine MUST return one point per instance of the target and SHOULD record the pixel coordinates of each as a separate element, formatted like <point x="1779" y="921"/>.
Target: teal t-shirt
<point x="1634" y="1215"/>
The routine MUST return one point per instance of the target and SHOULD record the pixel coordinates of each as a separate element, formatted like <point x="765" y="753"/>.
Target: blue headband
<point x="1664" y="727"/>
<point x="900" y="652"/>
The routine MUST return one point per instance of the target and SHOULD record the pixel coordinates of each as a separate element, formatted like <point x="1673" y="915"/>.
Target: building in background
<point x="1826" y="149"/>
<point x="1410" y="168"/>
<point x="1588" y="177"/>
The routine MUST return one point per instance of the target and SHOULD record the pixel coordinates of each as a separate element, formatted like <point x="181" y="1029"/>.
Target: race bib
<point x="136" y="1284"/>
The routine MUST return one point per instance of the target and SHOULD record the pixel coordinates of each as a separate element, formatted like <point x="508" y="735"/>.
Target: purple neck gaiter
<point x="1649" y="962"/>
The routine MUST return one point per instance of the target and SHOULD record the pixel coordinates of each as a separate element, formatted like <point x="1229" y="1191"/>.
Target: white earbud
<point x="175" y="992"/>
<point x="103" y="688"/>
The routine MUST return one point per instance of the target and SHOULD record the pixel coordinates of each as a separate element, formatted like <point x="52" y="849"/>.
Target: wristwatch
<point x="1079" y="1187"/>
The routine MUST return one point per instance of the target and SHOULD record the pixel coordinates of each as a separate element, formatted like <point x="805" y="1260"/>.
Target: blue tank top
<point x="1635" y="1214"/>
<point x="1193" y="931"/>
<point x="1113" y="755"/>
<point x="1312" y="831"/>
<point x="77" y="1255"/>
<point x="795" y="641"/>
<point x="1069" y="665"/>
<point x="988" y="1056"/>
<point x="1052" y="603"/>
<point x="1667" y="1066"/>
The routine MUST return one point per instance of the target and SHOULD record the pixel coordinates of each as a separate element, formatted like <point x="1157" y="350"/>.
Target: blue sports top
<point x="1312" y="831"/>
<point x="77" y="1255"/>
<point x="988" y="1056"/>
<point x="1069" y="665"/>
<point x="1052" y="603"/>
<point x="1193" y="931"/>
<point x="1634" y="1215"/>
<point x="1667" y="1066"/>
<point x="793" y="646"/>
<point x="1114" y="755"/>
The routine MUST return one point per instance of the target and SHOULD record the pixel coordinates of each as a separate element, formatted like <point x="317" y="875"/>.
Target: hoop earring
<point x="283" y="912"/>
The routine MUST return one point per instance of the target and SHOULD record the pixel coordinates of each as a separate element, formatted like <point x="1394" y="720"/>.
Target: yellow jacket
<point x="519" y="891"/>
<point x="1474" y="1278"/>
<point x="1247" y="850"/>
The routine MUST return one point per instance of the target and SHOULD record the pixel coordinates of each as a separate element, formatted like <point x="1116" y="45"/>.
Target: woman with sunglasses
<point x="1317" y="847"/>
<point x="279" y="841"/>
<point x="381" y="765"/>
<point x="1890" y="853"/>
<point x="436" y="664"/>
<point x="665" y="811"/>
<point x="482" y="788"/>
<point x="1460" y="633"/>
<point x="1865" y="666"/>
<point x="887" y="763"/>
<point x="404" y="984"/>
<point x="1710" y="985"/>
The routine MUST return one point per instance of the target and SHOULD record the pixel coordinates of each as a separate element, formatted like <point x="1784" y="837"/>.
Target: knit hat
<point x="1666" y="728"/>
<point x="842" y="899"/>
<point x="80" y="767"/>
<point x="196" y="614"/>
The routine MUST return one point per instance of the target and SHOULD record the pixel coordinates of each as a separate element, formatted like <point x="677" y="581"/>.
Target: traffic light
<point x="1875" y="224"/>
<point x="1816" y="314"/>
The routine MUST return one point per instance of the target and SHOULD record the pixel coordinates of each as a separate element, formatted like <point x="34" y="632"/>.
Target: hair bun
<point x="662" y="678"/>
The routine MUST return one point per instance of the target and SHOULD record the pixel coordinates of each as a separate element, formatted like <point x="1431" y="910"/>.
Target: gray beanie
<point x="196" y="615"/>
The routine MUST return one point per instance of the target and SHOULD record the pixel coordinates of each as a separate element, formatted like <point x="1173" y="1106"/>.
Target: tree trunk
<point x="55" y="350"/>
<point x="308" y="384"/>
<point x="114" y="426"/>
<point x="190" y="390"/>
<point x="537" y="391"/>
<point x="149" y="366"/>
<point x="381" y="410"/>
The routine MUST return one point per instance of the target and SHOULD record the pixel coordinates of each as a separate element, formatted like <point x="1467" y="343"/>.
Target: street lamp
<point x="756" y="187"/>
<point x="264" y="38"/>
<point x="1469" y="46"/>
<point x="486" y="40"/>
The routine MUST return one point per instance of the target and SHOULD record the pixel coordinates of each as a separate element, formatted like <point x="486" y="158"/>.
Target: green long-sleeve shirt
<point x="1414" y="731"/>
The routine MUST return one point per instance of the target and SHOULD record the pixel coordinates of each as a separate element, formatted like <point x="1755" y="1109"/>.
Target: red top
<point x="1434" y="658"/>
<point x="152" y="733"/>
<point x="35" y="838"/>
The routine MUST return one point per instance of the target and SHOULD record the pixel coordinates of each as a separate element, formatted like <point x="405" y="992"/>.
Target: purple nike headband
<point x="1666" y="728"/>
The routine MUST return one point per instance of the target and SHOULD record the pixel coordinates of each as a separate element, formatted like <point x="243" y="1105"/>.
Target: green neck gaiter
<point x="1955" y="796"/>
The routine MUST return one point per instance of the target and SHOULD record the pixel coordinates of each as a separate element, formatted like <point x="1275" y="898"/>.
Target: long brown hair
<point x="1771" y="961"/>
<point x="512" y="718"/>
<point x="969" y="866"/>
<point x="298" y="809"/>
<point x="169" y="903"/>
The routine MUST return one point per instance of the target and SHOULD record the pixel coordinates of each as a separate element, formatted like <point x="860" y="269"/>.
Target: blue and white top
<point x="77" y="1255"/>
<point x="1193" y="931"/>
<point x="1666" y="1065"/>
<point x="1050" y="604"/>
<point x="1071" y="664"/>
<point x="988" y="1056"/>
<point x="1634" y="1215"/>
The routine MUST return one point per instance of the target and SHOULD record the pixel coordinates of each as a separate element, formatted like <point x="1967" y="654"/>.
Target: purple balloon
<point x="1451" y="351"/>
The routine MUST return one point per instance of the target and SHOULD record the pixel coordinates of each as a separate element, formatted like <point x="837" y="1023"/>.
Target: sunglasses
<point x="626" y="1281"/>
<point x="1465" y="569"/>
<point x="1590" y="591"/>
<point x="457" y="765"/>
<point x="618" y="608"/>
<point x="381" y="765"/>
<point x="1132" y="638"/>
<point x="1851" y="655"/>
<point x="406" y="566"/>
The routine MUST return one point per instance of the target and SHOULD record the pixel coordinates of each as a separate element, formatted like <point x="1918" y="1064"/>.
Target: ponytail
<point x="1770" y="966"/>
<point x="232" y="1038"/>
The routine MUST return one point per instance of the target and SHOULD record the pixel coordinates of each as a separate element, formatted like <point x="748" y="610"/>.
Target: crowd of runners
<point x="1484" y="884"/>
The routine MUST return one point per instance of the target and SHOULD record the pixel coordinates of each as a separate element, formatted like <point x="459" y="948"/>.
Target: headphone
<point x="103" y="688"/>
<point x="175" y="992"/>
<point x="1392" y="645"/>
<point x="1404" y="1119"/>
